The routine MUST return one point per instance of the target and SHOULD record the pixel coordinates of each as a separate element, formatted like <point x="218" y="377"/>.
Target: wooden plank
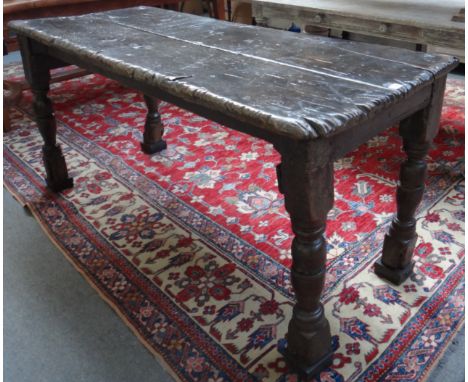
<point x="245" y="39"/>
<point x="419" y="13"/>
<point x="416" y="21"/>
<point x="252" y="74"/>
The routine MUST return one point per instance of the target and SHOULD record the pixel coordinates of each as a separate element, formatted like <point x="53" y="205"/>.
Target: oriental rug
<point x="191" y="246"/>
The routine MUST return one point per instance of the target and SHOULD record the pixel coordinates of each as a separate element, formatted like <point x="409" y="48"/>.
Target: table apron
<point x="350" y="139"/>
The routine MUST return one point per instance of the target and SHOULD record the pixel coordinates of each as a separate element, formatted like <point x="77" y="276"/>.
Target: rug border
<point x="162" y="362"/>
<point x="17" y="196"/>
<point x="426" y="374"/>
<point x="34" y="179"/>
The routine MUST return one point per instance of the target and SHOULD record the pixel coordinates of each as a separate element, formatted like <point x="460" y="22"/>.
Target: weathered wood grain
<point x="250" y="73"/>
<point x="424" y="13"/>
<point x="426" y="22"/>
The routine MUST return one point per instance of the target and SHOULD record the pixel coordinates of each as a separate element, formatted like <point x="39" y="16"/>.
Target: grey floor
<point x="56" y="327"/>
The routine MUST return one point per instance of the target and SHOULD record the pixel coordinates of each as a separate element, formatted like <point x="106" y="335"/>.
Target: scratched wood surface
<point x="285" y="83"/>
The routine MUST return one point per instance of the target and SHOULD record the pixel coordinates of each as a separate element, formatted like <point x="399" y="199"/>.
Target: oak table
<point x="315" y="99"/>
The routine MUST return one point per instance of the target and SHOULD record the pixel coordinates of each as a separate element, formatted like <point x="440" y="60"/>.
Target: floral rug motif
<point x="191" y="246"/>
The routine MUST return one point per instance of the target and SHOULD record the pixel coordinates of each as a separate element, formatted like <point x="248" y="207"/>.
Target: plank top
<point x="293" y="85"/>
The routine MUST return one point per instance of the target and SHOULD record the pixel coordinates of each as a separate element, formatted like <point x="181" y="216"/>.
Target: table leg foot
<point x="308" y="351"/>
<point x="153" y="148"/>
<point x="395" y="275"/>
<point x="307" y="371"/>
<point x="57" y="178"/>
<point x="396" y="265"/>
<point x="59" y="186"/>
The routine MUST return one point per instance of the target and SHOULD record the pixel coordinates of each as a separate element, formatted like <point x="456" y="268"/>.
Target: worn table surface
<point x="284" y="83"/>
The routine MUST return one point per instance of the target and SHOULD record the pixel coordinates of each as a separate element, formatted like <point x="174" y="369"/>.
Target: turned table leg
<point x="417" y="132"/>
<point x="37" y="73"/>
<point x="154" y="129"/>
<point x="308" y="194"/>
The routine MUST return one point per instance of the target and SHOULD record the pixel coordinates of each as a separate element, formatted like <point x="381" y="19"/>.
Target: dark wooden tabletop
<point x="299" y="86"/>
